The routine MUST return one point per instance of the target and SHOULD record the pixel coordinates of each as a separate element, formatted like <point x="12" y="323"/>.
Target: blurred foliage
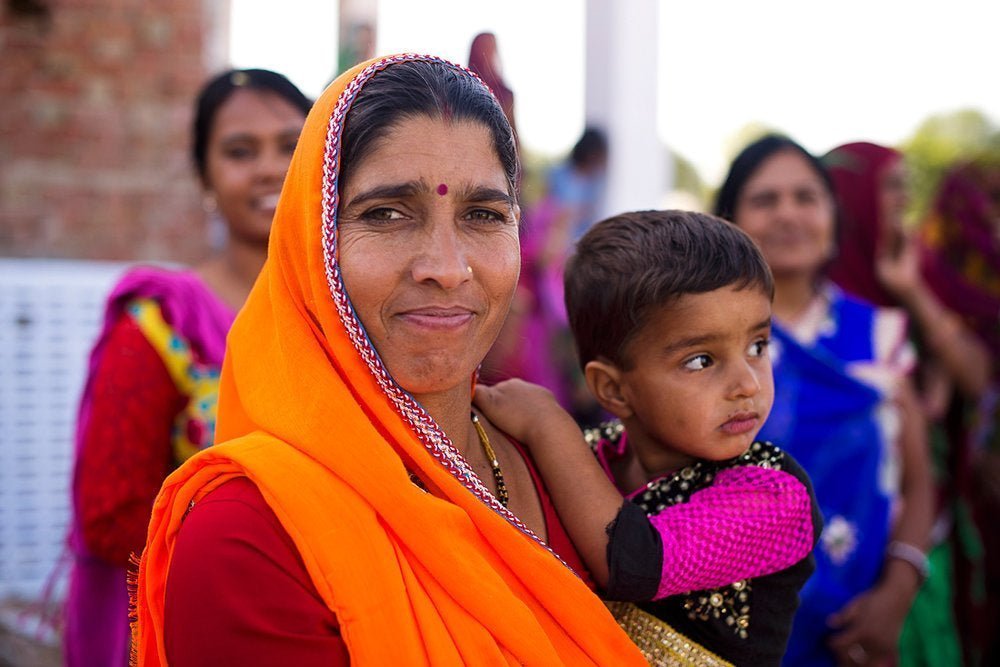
<point x="686" y="179"/>
<point x="940" y="142"/>
<point x="745" y="136"/>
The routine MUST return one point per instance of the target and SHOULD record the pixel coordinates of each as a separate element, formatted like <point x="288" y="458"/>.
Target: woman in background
<point x="960" y="259"/>
<point x="150" y="398"/>
<point x="484" y="60"/>
<point x="879" y="262"/>
<point x="844" y="407"/>
<point x="536" y="344"/>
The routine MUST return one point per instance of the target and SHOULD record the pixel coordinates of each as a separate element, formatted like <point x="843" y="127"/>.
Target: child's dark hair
<point x="627" y="266"/>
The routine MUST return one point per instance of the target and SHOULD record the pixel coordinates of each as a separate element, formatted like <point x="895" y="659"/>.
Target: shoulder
<point x="772" y="457"/>
<point x="229" y="538"/>
<point x="235" y="509"/>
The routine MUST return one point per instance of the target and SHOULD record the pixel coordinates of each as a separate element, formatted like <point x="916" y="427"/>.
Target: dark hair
<point x="424" y="88"/>
<point x="627" y="266"/>
<point x="591" y="145"/>
<point x="747" y="163"/>
<point x="215" y="93"/>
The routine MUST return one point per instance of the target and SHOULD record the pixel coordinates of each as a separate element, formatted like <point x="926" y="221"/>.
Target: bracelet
<point x="908" y="553"/>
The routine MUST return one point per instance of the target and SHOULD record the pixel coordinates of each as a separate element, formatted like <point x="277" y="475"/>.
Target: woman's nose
<point x="442" y="257"/>
<point x="786" y="209"/>
<point x="273" y="164"/>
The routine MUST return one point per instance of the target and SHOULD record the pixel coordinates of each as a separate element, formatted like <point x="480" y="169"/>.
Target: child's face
<point x="700" y="382"/>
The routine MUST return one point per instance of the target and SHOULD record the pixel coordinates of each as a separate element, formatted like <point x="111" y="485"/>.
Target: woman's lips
<point x="440" y="319"/>
<point x="740" y="423"/>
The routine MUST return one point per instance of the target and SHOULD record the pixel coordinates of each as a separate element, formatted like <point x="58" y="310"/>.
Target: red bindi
<point x="442" y="189"/>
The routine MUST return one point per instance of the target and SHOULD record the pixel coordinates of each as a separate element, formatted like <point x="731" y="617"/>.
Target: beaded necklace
<point x="491" y="456"/>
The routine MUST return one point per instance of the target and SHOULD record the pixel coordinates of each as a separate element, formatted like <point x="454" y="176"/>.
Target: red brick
<point x="94" y="131"/>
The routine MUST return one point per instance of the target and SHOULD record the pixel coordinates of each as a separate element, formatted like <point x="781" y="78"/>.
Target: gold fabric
<point x="661" y="645"/>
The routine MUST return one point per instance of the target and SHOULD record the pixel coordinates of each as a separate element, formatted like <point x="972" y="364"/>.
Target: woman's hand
<point x="898" y="267"/>
<point x="527" y="412"/>
<point x="869" y="626"/>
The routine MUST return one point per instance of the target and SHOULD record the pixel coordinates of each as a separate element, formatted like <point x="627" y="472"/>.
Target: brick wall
<point x="94" y="126"/>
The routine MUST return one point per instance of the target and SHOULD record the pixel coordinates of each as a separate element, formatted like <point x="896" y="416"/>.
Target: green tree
<point x="939" y="142"/>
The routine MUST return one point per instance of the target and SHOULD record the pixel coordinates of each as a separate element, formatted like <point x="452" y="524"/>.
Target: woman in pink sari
<point x="150" y="397"/>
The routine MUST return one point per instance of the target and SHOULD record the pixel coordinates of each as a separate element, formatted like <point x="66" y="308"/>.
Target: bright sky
<point x="826" y="73"/>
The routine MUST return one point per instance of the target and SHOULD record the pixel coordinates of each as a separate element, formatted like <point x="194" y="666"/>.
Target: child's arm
<point x="584" y="497"/>
<point x="749" y="522"/>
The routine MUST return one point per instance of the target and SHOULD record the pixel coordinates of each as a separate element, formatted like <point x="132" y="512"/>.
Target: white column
<point x="621" y="93"/>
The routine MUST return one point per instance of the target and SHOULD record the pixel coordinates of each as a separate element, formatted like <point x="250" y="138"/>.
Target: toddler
<point x="671" y="313"/>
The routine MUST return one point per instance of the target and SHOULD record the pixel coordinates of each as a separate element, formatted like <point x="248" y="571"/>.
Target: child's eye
<point x="758" y="348"/>
<point x="699" y="363"/>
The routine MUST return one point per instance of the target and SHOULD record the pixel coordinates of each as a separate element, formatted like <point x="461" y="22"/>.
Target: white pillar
<point x="621" y="93"/>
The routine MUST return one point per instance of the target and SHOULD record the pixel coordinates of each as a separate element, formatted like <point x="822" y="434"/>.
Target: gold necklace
<point x="492" y="458"/>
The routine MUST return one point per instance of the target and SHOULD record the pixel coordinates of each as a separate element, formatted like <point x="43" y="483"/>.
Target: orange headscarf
<point x="310" y="415"/>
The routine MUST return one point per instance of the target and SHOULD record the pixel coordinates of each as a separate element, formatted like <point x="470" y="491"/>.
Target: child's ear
<point x="604" y="379"/>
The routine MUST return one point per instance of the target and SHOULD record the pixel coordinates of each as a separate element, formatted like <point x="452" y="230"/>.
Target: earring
<point x="209" y="203"/>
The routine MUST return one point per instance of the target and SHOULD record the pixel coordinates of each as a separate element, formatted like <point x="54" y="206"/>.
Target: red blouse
<point x="238" y="592"/>
<point x="126" y="452"/>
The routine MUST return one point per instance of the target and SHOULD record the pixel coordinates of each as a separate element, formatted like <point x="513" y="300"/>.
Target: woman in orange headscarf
<point x="359" y="510"/>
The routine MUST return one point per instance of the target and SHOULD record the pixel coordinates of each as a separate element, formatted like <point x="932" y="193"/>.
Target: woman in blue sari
<point x="844" y="407"/>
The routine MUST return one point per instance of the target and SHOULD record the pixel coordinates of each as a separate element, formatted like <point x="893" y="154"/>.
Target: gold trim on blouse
<point x="659" y="642"/>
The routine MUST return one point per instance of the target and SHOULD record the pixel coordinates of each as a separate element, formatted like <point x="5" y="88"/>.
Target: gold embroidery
<point x="661" y="645"/>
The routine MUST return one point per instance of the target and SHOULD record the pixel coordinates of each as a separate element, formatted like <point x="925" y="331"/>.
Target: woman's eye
<point x="699" y="363"/>
<point x="239" y="153"/>
<point x="758" y="348"/>
<point x="382" y="214"/>
<point x="763" y="200"/>
<point x="486" y="215"/>
<point x="808" y="196"/>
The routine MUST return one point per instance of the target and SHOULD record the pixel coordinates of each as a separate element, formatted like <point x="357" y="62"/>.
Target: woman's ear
<point x="604" y="379"/>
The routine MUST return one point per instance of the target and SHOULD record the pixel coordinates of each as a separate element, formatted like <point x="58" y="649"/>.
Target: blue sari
<point x="828" y="420"/>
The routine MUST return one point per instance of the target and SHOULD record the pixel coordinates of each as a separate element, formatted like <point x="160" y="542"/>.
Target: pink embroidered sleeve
<point x="750" y="522"/>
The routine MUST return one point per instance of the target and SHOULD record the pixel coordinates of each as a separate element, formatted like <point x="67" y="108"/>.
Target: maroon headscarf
<point x="856" y="170"/>
<point x="483" y="60"/>
<point x="960" y="243"/>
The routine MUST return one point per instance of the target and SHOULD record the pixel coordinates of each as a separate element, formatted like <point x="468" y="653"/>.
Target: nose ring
<point x="469" y="269"/>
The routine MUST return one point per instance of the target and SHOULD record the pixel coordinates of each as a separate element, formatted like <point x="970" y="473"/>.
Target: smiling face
<point x="786" y="208"/>
<point x="428" y="250"/>
<point x="698" y="382"/>
<point x="250" y="146"/>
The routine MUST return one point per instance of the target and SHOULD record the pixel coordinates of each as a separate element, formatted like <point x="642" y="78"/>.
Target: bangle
<point x="908" y="553"/>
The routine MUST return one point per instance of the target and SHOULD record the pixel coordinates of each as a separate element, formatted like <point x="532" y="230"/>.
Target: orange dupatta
<point x="310" y="415"/>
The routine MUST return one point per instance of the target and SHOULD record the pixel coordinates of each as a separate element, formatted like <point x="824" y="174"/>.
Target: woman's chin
<point x="422" y="380"/>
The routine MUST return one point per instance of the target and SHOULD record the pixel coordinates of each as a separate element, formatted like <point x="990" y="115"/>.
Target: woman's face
<point x="786" y="208"/>
<point x="250" y="146"/>
<point x="428" y="249"/>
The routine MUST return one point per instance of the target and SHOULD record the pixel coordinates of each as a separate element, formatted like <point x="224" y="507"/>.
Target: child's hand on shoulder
<point x="527" y="412"/>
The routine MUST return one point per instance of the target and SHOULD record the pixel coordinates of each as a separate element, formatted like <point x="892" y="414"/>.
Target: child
<point x="671" y="312"/>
